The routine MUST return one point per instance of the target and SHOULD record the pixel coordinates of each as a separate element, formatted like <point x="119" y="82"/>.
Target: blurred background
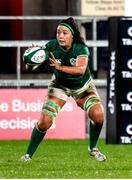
<point x="42" y="28"/>
<point x="23" y="22"/>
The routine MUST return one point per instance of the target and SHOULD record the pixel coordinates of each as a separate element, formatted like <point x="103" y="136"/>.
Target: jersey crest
<point x="73" y="61"/>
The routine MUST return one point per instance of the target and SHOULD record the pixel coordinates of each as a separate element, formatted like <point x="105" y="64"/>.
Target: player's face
<point x="64" y="37"/>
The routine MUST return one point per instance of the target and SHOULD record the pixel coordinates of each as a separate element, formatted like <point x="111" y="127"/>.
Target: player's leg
<point x="95" y="112"/>
<point x="49" y="112"/>
<point x="96" y="115"/>
<point x="89" y="101"/>
<point x="56" y="99"/>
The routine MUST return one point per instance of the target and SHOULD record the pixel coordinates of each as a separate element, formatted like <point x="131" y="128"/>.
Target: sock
<point x="36" y="137"/>
<point x="94" y="132"/>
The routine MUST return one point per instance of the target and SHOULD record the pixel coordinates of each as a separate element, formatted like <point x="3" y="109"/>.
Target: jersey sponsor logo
<point x="73" y="61"/>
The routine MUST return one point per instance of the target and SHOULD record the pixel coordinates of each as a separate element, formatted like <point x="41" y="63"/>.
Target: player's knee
<point x="51" y="109"/>
<point x="94" y="109"/>
<point x="49" y="112"/>
<point x="44" y="122"/>
<point x="96" y="113"/>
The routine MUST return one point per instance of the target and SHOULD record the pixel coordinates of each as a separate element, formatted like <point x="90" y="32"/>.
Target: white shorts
<point x="62" y="92"/>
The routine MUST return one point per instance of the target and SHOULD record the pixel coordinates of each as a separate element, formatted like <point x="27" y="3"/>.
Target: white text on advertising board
<point x="111" y="105"/>
<point x="128" y="41"/>
<point x="127" y="139"/>
<point x="128" y="74"/>
<point x="128" y="106"/>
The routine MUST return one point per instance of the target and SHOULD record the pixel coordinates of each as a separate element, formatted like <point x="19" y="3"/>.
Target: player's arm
<point x="78" y="69"/>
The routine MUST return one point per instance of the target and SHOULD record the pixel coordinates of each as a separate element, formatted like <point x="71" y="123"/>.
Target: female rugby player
<point x="69" y="56"/>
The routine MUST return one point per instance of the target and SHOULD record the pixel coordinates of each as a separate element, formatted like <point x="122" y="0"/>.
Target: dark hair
<point x="77" y="38"/>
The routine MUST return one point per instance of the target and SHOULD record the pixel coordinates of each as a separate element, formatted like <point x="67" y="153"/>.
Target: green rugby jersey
<point x="68" y="58"/>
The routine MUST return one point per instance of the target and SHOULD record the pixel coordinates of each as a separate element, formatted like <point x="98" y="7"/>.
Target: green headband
<point x="69" y="27"/>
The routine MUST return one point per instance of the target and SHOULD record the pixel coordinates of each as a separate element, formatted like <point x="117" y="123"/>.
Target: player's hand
<point x="54" y="62"/>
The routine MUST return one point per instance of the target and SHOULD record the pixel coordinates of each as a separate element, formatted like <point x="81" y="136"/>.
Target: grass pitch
<point x="64" y="159"/>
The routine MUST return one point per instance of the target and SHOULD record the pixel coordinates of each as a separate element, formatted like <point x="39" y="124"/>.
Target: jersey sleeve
<point x="82" y="50"/>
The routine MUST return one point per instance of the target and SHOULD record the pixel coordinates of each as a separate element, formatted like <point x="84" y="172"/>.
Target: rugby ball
<point x="34" y="56"/>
